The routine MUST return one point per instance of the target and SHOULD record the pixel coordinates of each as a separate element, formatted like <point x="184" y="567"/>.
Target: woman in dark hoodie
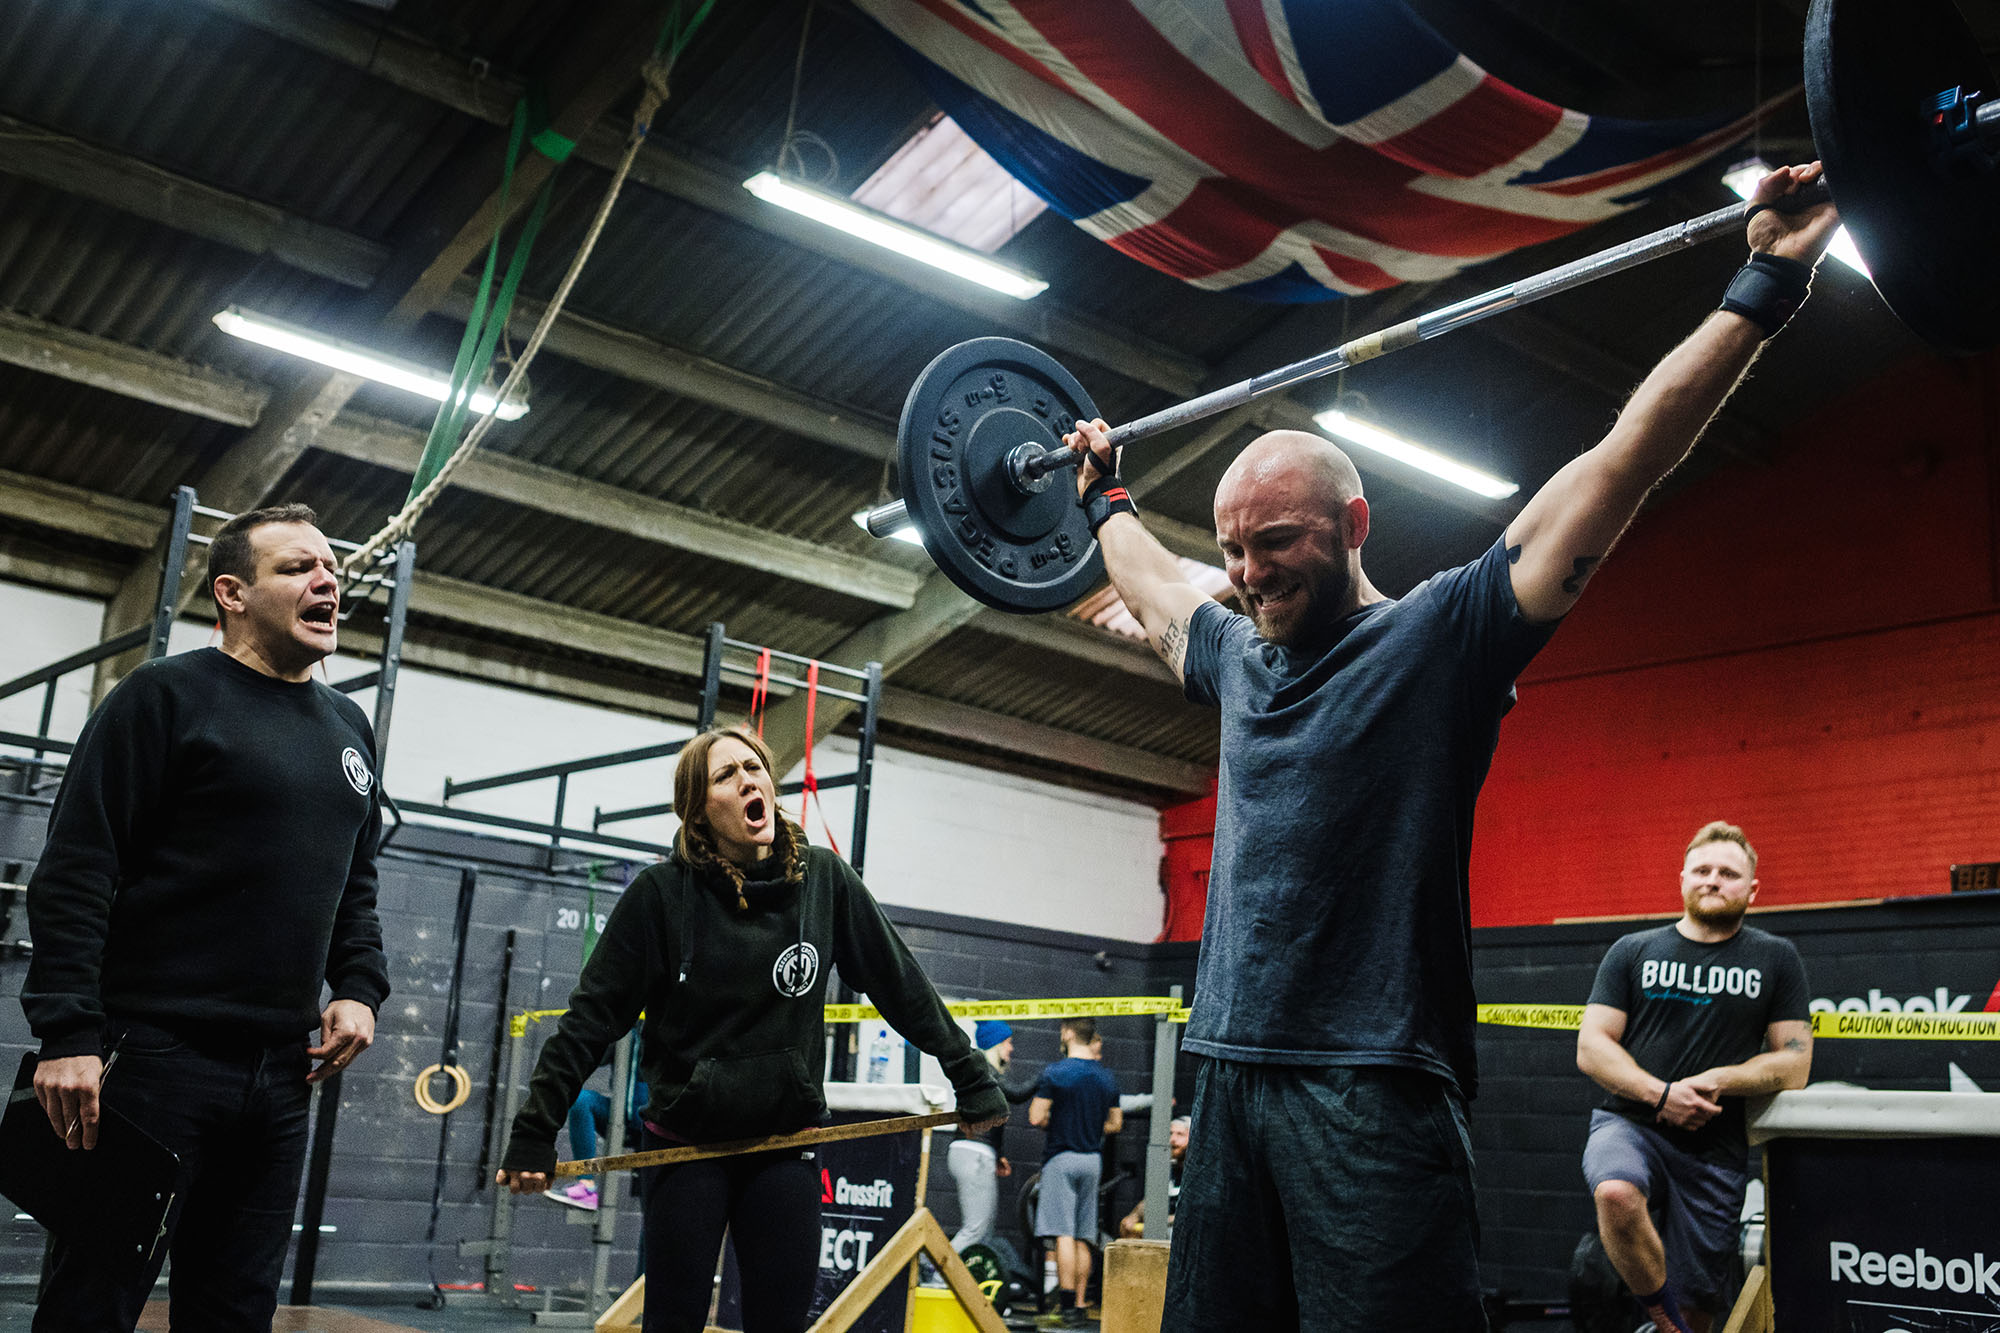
<point x="724" y="946"/>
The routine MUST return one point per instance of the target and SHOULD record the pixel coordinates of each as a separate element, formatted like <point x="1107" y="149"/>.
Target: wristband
<point x="1103" y="498"/>
<point x="1768" y="291"/>
<point x="1661" y="1104"/>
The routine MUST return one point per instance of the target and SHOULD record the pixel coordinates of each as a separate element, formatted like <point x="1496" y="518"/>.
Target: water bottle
<point x="878" y="1056"/>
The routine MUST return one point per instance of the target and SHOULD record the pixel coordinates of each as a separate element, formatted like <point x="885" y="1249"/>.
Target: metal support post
<point x="711" y="678"/>
<point x="864" y="765"/>
<point x="168" y="601"/>
<point x="319" y="1160"/>
<point x="495" y="1248"/>
<point x="392" y="649"/>
<point x="623" y="1063"/>
<point x="1159" y="1157"/>
<point x="604" y="1222"/>
<point x="555" y="825"/>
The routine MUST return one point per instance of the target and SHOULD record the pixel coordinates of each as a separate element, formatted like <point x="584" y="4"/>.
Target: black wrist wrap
<point x="1103" y="498"/>
<point x="1768" y="291"/>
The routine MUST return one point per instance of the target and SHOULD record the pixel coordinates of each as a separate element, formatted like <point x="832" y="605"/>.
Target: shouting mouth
<point x="756" y="814"/>
<point x="320" y="616"/>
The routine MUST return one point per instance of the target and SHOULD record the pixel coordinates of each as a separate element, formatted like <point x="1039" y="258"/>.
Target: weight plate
<point x="1926" y="227"/>
<point x="971" y="407"/>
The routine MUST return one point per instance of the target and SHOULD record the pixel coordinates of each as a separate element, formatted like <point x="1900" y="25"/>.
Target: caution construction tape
<point x="1877" y="1027"/>
<point x="1551" y="1017"/>
<point x="1095" y="1006"/>
<point x="1909" y="1027"/>
<point x="1568" y="1016"/>
<point x="518" y="1024"/>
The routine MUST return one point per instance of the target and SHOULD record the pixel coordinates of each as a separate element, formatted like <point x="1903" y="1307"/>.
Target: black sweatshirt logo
<point x="356" y="769"/>
<point x="796" y="970"/>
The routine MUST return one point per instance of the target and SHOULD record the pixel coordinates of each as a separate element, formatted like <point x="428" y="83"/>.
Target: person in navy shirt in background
<point x="1077" y="1103"/>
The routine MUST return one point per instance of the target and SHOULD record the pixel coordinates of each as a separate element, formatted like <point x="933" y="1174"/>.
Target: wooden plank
<point x="553" y="491"/>
<point x="702" y="1152"/>
<point x="957" y="1276"/>
<point x="1753" y="1312"/>
<point x="623" y="1314"/>
<point x="84" y="358"/>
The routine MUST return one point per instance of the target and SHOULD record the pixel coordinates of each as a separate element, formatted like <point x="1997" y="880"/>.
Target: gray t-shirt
<point x="1691" y="1006"/>
<point x="1339" y="928"/>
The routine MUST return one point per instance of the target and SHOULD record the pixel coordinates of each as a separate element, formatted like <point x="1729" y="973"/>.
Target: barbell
<point x="1898" y="98"/>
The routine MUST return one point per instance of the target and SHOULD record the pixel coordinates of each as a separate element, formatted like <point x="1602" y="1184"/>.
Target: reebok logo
<point x="1940" y="1001"/>
<point x="1922" y="1270"/>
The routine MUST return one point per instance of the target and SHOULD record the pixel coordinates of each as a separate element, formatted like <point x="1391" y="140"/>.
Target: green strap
<point x="489" y="315"/>
<point x="542" y="134"/>
<point x="674" y="35"/>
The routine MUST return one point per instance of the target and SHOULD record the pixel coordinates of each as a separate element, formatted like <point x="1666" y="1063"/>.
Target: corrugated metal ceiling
<point x="193" y="91"/>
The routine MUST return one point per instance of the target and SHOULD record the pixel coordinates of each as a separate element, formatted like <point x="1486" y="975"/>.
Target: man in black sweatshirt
<point x="210" y="861"/>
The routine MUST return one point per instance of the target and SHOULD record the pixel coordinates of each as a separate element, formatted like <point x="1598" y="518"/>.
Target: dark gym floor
<point x="16" y="1315"/>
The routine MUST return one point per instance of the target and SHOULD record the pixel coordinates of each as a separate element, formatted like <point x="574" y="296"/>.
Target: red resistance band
<point x="761" y="690"/>
<point x="809" y="785"/>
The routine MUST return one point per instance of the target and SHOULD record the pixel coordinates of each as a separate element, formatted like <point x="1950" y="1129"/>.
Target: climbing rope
<point x="654" y="73"/>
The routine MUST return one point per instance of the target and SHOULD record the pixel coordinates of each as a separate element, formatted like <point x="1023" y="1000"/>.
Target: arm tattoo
<point x="1797" y="1044"/>
<point x="1573" y="585"/>
<point x="1173" y="643"/>
<point x="1514" y="554"/>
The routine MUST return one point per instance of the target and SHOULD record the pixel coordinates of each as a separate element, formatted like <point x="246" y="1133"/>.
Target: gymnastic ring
<point x="461" y="1088"/>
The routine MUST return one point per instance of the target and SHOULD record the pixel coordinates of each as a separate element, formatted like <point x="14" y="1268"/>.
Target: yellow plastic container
<point x="936" y="1310"/>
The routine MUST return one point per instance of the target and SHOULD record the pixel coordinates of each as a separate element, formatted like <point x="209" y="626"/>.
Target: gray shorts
<point x="1067" y="1204"/>
<point x="1697" y="1205"/>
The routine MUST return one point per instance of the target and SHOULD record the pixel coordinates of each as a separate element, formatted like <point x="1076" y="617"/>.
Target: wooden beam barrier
<point x="810" y="1138"/>
<point x="1753" y="1312"/>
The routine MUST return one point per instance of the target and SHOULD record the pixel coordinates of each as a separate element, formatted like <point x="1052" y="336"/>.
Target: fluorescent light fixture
<point x="355" y="360"/>
<point x="908" y="532"/>
<point x="1356" y="431"/>
<point x="867" y="225"/>
<point x="1743" y="177"/>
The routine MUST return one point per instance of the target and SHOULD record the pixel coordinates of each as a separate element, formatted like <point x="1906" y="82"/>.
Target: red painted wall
<point x="1187" y="840"/>
<point x="1809" y="649"/>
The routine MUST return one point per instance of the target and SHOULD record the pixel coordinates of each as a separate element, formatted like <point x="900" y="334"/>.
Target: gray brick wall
<point x="386" y="1147"/>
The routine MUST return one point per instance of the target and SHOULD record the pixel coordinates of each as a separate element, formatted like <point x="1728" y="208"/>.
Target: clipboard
<point x="117" y="1194"/>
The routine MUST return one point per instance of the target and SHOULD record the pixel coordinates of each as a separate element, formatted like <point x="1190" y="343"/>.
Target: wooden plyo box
<point x="1135" y="1286"/>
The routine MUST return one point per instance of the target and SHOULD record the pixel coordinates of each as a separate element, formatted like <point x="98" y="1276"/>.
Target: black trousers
<point x="238" y="1120"/>
<point x="769" y="1202"/>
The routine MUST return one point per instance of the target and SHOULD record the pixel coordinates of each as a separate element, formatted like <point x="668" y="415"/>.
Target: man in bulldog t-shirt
<point x="1683" y="1023"/>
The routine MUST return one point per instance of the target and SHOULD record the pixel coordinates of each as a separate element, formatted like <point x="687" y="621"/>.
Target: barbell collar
<point x="886" y="520"/>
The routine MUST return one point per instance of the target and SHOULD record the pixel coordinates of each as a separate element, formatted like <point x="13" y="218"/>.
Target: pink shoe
<point x="582" y="1195"/>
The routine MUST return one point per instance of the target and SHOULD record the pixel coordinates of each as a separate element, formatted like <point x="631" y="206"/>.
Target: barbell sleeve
<point x="886" y="520"/>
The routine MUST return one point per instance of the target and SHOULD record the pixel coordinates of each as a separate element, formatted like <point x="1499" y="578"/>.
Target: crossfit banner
<point x="868" y="1188"/>
<point x="1885" y="1235"/>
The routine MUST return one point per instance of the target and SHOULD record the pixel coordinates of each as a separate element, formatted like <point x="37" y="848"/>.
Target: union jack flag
<point x="1285" y="150"/>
